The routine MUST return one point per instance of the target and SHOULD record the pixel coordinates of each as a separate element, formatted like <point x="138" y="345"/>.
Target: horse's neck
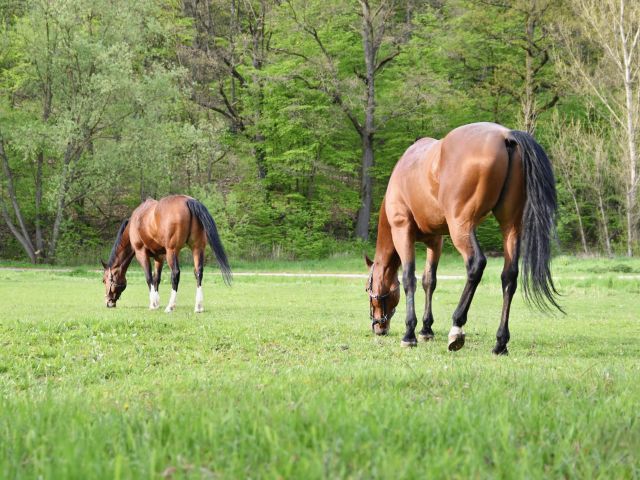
<point x="386" y="254"/>
<point x="124" y="254"/>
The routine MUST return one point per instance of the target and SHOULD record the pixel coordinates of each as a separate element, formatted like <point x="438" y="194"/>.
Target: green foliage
<point x="118" y="101"/>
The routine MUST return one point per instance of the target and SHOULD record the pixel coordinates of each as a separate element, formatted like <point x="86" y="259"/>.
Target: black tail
<point x="199" y="211"/>
<point x="538" y="222"/>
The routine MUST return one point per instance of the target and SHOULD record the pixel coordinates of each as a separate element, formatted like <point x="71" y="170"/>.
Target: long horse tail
<point x="199" y="211"/>
<point x="538" y="222"/>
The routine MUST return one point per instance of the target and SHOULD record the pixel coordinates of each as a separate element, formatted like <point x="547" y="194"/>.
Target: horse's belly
<point x="431" y="223"/>
<point x="153" y="247"/>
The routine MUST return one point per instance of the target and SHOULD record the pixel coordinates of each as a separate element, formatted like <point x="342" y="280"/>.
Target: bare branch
<point x="386" y="60"/>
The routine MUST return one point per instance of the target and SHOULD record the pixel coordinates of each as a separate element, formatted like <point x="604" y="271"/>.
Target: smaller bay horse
<point x="158" y="230"/>
<point x="447" y="187"/>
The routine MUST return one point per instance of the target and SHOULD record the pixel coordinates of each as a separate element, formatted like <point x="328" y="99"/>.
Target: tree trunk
<point x="260" y="155"/>
<point x="38" y="207"/>
<point x="370" y="45"/>
<point x="69" y="155"/>
<point x="528" y="101"/>
<point x="22" y="235"/>
<point x="583" y="238"/>
<point x="26" y="244"/>
<point x="366" y="187"/>
<point x="605" y="228"/>
<point x="632" y="185"/>
<point x="630" y="205"/>
<point x="47" y="100"/>
<point x="233" y="33"/>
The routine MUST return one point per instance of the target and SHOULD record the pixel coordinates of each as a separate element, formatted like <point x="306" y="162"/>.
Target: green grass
<point x="281" y="378"/>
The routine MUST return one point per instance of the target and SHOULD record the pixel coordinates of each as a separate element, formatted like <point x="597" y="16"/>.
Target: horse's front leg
<point x="143" y="260"/>
<point x="172" y="261"/>
<point x="404" y="241"/>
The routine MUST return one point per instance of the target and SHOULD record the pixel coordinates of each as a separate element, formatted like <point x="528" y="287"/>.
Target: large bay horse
<point x="447" y="187"/>
<point x="158" y="229"/>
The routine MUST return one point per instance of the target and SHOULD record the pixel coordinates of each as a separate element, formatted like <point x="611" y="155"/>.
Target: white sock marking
<point x="154" y="298"/>
<point x="172" y="302"/>
<point x="455" y="331"/>
<point x="199" y="299"/>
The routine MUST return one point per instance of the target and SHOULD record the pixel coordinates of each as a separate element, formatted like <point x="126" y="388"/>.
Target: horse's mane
<point x="114" y="250"/>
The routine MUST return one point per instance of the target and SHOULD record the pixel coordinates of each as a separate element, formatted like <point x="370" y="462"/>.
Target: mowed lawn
<point x="282" y="378"/>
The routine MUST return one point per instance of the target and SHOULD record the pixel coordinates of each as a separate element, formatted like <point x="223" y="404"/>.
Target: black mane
<point x="114" y="250"/>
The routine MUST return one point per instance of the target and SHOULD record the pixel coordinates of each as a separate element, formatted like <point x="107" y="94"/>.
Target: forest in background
<point x="285" y="117"/>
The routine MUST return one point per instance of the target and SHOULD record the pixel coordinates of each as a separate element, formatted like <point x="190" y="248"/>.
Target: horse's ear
<point x="367" y="261"/>
<point x="104" y="265"/>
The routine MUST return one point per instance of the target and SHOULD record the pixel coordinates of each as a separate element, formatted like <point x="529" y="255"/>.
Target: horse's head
<point x="383" y="289"/>
<point x="114" y="284"/>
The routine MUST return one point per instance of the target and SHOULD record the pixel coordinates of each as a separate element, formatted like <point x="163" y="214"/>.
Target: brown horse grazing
<point x="159" y="229"/>
<point x="447" y="187"/>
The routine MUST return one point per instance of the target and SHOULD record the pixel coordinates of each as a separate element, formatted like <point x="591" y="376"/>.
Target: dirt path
<point x="318" y="275"/>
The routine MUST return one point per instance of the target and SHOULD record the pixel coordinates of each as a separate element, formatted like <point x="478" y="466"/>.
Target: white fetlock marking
<point x="154" y="298"/>
<point x="172" y="302"/>
<point x="455" y="331"/>
<point x="199" y="300"/>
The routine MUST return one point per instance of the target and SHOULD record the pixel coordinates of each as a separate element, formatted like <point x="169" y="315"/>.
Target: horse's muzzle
<point x="111" y="304"/>
<point x="380" y="327"/>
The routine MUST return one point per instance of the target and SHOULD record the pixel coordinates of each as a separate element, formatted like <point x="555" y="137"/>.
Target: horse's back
<point x="456" y="179"/>
<point x="139" y="217"/>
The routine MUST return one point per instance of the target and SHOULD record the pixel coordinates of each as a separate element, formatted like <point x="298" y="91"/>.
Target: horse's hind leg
<point x="198" y="268"/>
<point x="429" y="285"/>
<point x="172" y="261"/>
<point x="467" y="244"/>
<point x="154" y="296"/>
<point x="511" y="240"/>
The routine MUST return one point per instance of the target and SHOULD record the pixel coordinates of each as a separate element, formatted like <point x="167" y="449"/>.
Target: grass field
<point x="282" y="378"/>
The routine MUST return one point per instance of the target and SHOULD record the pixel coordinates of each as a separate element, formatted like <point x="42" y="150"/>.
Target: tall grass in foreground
<point x="281" y="378"/>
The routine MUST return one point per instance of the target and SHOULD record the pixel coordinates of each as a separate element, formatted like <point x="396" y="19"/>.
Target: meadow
<point x="282" y="378"/>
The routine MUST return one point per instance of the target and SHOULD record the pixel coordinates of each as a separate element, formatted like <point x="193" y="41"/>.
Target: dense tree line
<point x="285" y="117"/>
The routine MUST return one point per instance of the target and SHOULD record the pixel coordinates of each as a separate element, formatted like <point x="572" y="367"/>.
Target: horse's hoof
<point x="500" y="350"/>
<point x="198" y="309"/>
<point x="425" y="337"/>
<point x="169" y="309"/>
<point x="456" y="339"/>
<point x="408" y="343"/>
